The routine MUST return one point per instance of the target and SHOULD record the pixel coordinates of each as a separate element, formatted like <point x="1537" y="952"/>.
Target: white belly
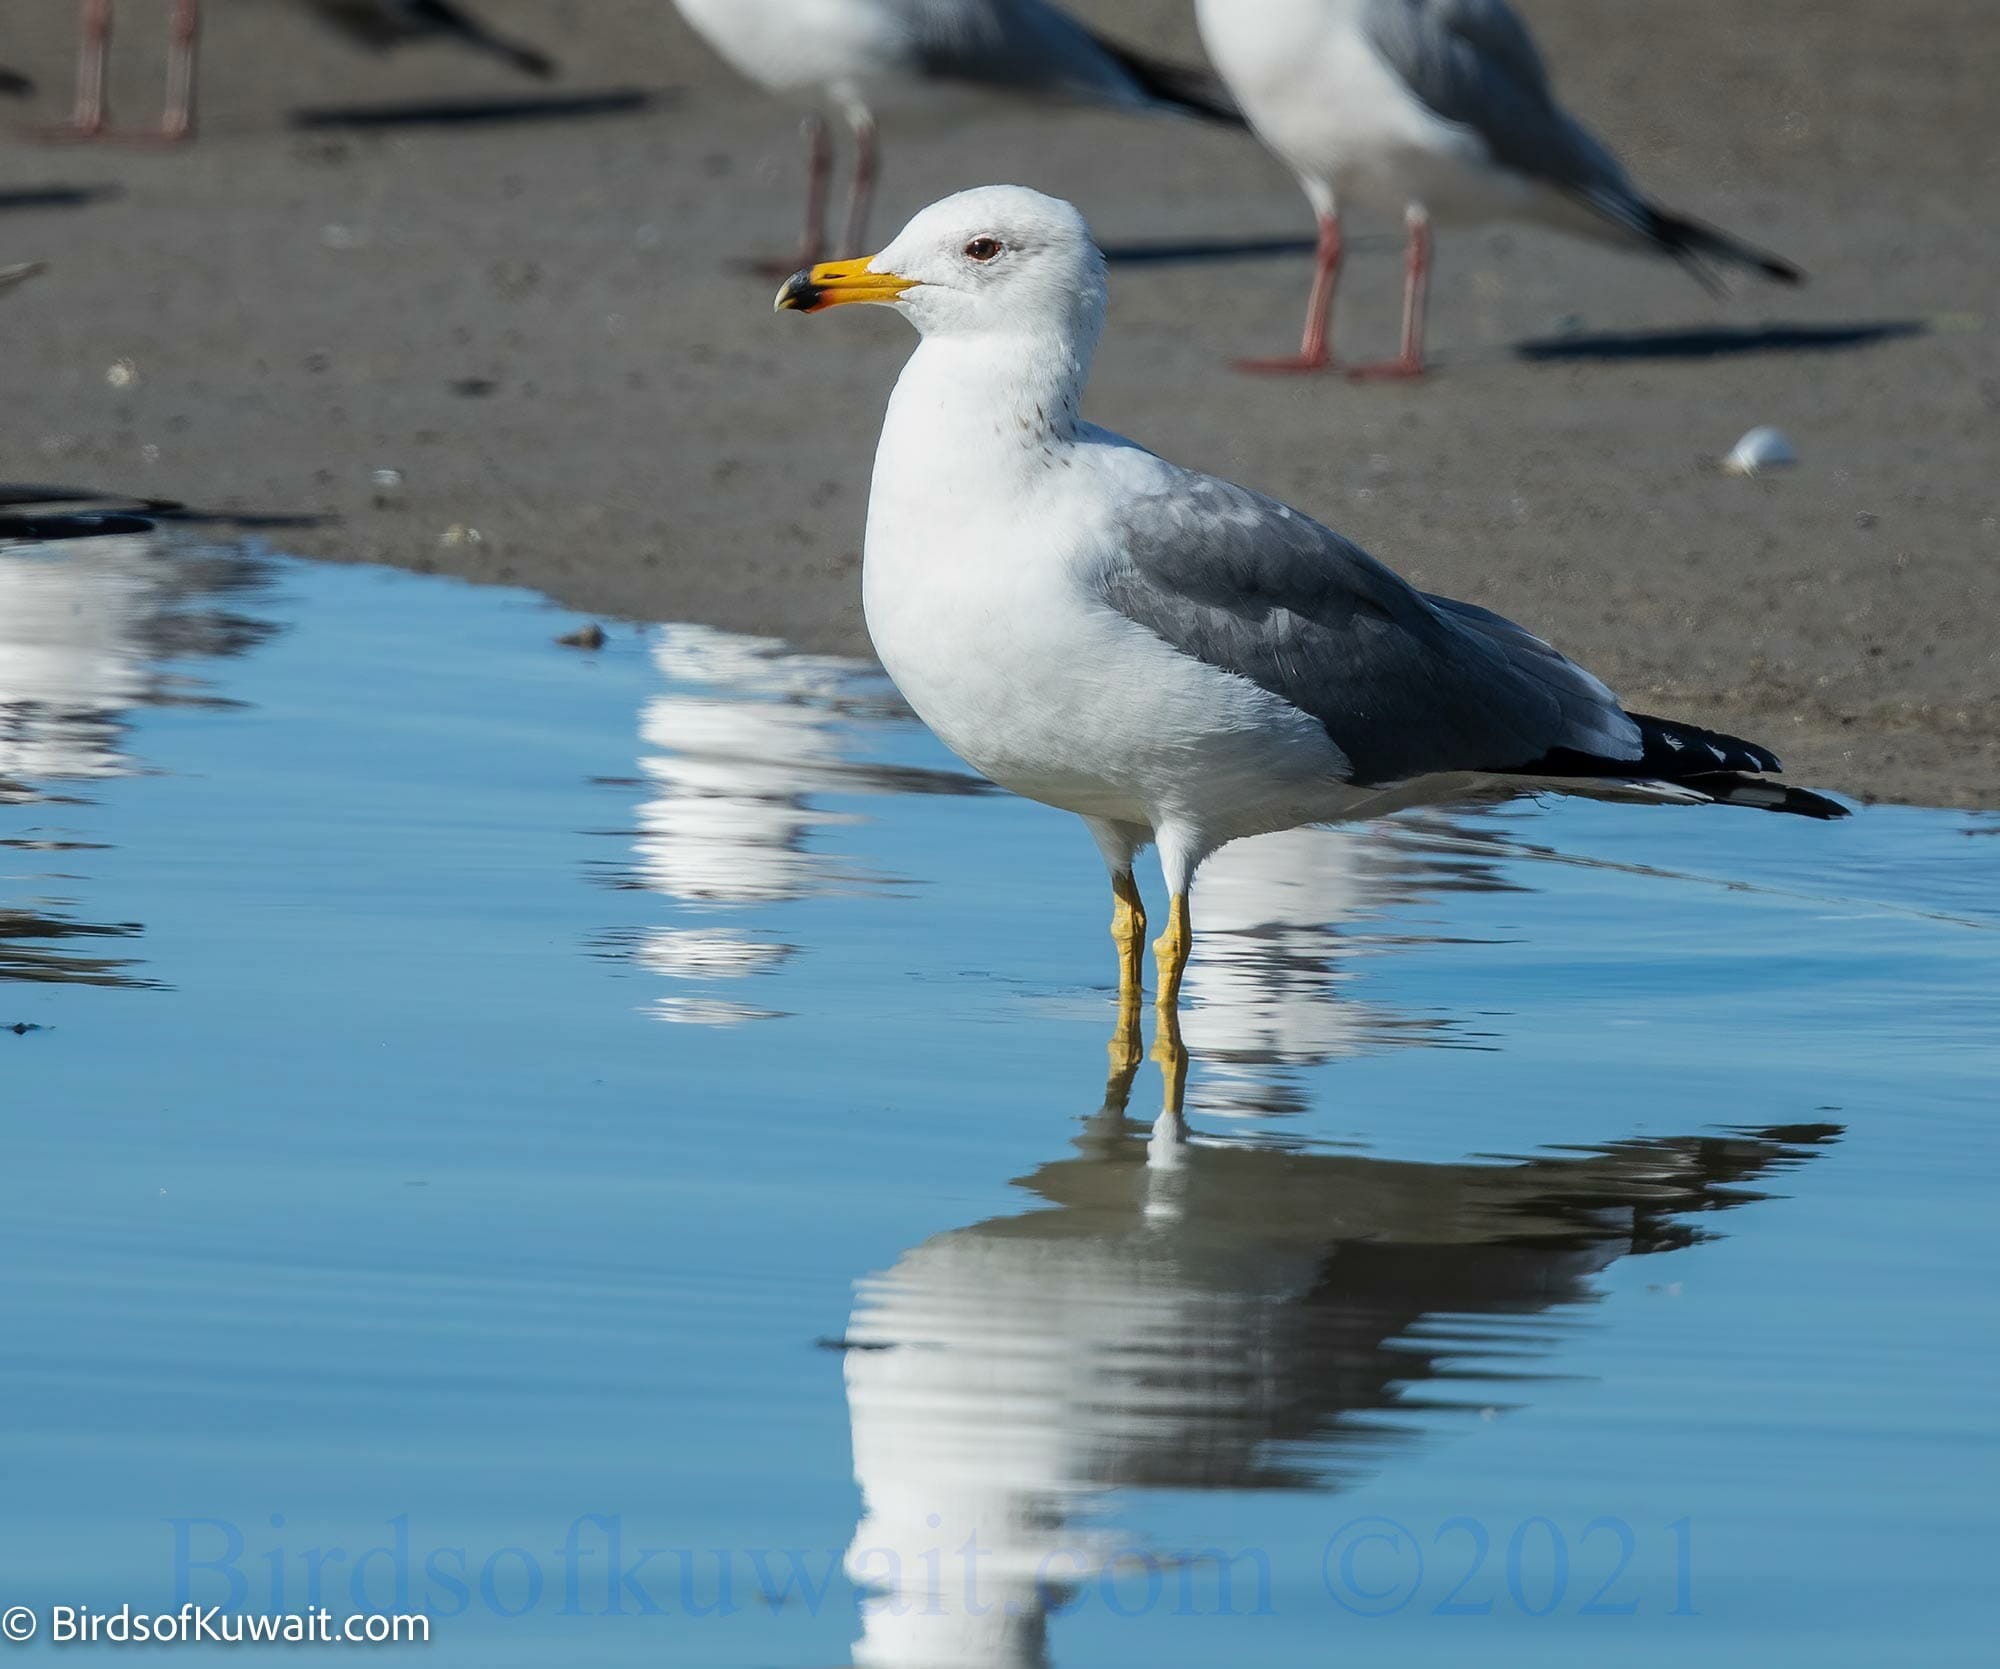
<point x="1321" y="97"/>
<point x="802" y="46"/>
<point x="1077" y="707"/>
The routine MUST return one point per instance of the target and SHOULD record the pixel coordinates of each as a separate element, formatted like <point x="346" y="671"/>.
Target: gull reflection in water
<point x="740" y="751"/>
<point x="91" y="629"/>
<point x="1284" y="919"/>
<point x="1190" y="1314"/>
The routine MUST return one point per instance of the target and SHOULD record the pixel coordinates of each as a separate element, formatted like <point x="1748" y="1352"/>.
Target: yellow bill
<point x="834" y="283"/>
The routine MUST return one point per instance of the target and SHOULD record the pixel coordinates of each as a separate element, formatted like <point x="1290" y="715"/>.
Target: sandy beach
<point x="528" y="351"/>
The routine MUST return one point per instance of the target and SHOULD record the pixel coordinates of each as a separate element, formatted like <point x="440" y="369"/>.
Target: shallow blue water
<point x="512" y="1109"/>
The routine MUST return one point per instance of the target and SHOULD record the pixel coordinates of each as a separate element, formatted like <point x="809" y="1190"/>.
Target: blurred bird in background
<point x="13" y="84"/>
<point x="383" y="25"/>
<point x="379" y="25"/>
<point x="1431" y="107"/>
<point x="90" y="118"/>
<point x="861" y="56"/>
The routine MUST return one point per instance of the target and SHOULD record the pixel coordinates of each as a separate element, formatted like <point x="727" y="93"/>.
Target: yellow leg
<point x="1171" y="950"/>
<point x="1128" y="932"/>
<point x="1171" y="1053"/>
<point x="1125" y="1052"/>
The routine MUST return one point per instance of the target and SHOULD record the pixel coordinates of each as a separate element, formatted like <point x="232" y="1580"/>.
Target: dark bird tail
<point x="14" y="84"/>
<point x="1182" y="87"/>
<point x="1732" y="788"/>
<point x="1696" y="244"/>
<point x="1719" y="767"/>
<point x="527" y="59"/>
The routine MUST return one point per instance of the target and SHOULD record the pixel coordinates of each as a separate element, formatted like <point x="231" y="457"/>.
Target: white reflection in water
<point x="84" y="628"/>
<point x="740" y="749"/>
<point x="1279" y="922"/>
<point x="735" y="752"/>
<point x="91" y="629"/>
<point x="1253" y="1318"/>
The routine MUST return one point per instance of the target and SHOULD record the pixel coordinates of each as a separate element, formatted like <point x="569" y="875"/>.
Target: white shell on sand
<point x="1763" y="448"/>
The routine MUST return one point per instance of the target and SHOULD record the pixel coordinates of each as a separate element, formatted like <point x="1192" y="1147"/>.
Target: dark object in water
<point x="584" y="637"/>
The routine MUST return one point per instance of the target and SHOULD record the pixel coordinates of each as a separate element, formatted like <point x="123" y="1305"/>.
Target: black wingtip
<point x="530" y="62"/>
<point x="1729" y="770"/>
<point x="1695" y="242"/>
<point x="1676" y="751"/>
<point x="1183" y="87"/>
<point x="1776" y="268"/>
<point x="1729" y="788"/>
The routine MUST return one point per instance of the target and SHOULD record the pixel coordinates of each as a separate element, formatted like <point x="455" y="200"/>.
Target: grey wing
<point x="1405" y="685"/>
<point x="1474" y="63"/>
<point x="366" y="22"/>
<point x="1020" y="46"/>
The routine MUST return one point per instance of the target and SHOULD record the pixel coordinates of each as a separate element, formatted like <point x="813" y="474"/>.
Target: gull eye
<point x="983" y="249"/>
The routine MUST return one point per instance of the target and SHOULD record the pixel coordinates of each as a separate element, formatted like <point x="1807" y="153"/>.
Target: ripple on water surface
<point x="477" y="1112"/>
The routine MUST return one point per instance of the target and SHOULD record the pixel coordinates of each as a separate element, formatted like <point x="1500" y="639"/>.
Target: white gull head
<point x="999" y="260"/>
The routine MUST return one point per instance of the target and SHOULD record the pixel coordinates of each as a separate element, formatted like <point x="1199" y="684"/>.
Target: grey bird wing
<point x="384" y="24"/>
<point x="1474" y="63"/>
<point x="1405" y="685"/>
<point x="1030" y="47"/>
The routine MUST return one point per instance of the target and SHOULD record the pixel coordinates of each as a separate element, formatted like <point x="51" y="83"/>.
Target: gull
<point x="1431" y="107"/>
<point x="1179" y="661"/>
<point x="858" y="56"/>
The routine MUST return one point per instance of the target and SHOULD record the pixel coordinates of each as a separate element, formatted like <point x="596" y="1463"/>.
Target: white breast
<point x="1324" y="100"/>
<point x="981" y="614"/>
<point x="799" y="46"/>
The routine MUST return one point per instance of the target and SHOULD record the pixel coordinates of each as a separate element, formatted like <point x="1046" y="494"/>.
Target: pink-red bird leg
<point x="1416" y="306"/>
<point x="1315" y="352"/>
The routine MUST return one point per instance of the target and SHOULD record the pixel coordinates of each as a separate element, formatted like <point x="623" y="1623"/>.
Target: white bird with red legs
<point x="1435" y="110"/>
<point x="863" y="58"/>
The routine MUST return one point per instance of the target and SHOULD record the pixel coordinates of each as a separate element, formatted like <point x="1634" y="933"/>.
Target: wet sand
<point x="543" y="330"/>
